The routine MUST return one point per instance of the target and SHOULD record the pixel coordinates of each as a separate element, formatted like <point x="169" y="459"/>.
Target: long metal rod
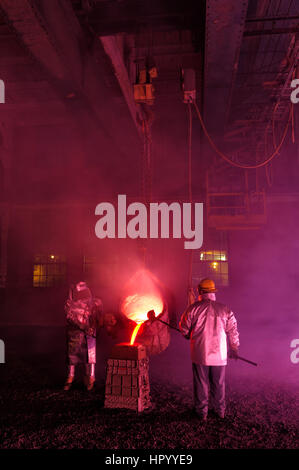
<point x="167" y="324"/>
<point x="238" y="357"/>
<point x="247" y="360"/>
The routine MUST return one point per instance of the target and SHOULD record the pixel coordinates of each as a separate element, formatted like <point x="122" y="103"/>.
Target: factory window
<point x="49" y="270"/>
<point x="211" y="264"/>
<point x="214" y="255"/>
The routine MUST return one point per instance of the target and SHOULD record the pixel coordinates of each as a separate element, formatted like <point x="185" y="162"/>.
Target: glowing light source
<point x="136" y="306"/>
<point x="52" y="256"/>
<point x="135" y="332"/>
<point x="142" y="296"/>
<point x="213" y="255"/>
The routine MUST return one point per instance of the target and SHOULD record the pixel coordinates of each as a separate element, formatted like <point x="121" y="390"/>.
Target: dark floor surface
<point x="36" y="413"/>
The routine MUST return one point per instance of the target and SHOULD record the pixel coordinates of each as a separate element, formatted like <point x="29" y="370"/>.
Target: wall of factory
<point x="59" y="174"/>
<point x="57" y="182"/>
<point x="67" y="236"/>
<point x="263" y="266"/>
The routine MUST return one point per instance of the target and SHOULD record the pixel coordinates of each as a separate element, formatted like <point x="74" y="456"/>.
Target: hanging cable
<point x="269" y="174"/>
<point x="269" y="168"/>
<point x="146" y="172"/>
<point x="190" y="192"/>
<point x="273" y="125"/>
<point x="231" y="162"/>
<point x="190" y="153"/>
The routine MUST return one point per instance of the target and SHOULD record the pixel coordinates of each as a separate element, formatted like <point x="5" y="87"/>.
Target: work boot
<point x="89" y="383"/>
<point x="217" y="414"/>
<point x="90" y="376"/>
<point x="202" y="417"/>
<point x="68" y="383"/>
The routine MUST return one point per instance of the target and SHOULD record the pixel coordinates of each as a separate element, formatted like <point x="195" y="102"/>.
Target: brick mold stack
<point x="127" y="378"/>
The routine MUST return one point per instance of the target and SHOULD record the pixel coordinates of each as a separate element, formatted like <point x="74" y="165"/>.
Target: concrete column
<point x="6" y="131"/>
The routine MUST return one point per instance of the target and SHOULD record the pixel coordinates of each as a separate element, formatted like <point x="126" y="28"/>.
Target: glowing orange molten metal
<point x="135" y="332"/>
<point x="136" y="306"/>
<point x="142" y="296"/>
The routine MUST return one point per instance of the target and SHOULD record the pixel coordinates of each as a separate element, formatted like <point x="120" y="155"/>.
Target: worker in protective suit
<point x="84" y="317"/>
<point x="209" y="324"/>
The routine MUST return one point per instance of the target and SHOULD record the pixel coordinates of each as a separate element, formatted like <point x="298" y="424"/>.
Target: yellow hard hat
<point x="206" y="286"/>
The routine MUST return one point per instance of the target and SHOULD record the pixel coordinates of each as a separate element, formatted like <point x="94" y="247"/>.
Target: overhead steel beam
<point x="53" y="35"/>
<point x="271" y="18"/>
<point x="225" y="24"/>
<point x="112" y="49"/>
<point x="132" y="16"/>
<point x="265" y="32"/>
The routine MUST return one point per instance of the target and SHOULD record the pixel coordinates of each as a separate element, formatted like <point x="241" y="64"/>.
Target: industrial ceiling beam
<point x="133" y="16"/>
<point x="53" y="35"/>
<point x="112" y="49"/>
<point x="225" y="24"/>
<point x="271" y="18"/>
<point x="25" y="19"/>
<point x="265" y="32"/>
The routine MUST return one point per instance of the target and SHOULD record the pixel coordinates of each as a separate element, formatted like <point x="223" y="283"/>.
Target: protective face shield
<point x="81" y="286"/>
<point x="81" y="292"/>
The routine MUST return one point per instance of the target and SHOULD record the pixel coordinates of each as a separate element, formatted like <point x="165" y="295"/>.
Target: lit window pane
<point x="49" y="270"/>
<point x="211" y="264"/>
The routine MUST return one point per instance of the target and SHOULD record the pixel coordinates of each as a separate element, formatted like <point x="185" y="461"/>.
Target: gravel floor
<point x="36" y="413"/>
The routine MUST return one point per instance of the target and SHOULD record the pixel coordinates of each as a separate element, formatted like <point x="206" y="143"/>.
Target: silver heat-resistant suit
<point x="209" y="324"/>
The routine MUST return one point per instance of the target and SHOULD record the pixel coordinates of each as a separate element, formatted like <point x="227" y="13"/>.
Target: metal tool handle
<point x="174" y="328"/>
<point x="167" y="324"/>
<point x="247" y="360"/>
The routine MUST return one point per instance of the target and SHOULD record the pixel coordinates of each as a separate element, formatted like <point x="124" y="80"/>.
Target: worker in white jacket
<point x="208" y="324"/>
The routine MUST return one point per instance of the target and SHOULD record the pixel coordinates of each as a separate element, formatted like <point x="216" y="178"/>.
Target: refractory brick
<point x="127" y="382"/>
<point x="116" y="390"/>
<point x="108" y="378"/>
<point x="116" y="380"/>
<point x="134" y="381"/>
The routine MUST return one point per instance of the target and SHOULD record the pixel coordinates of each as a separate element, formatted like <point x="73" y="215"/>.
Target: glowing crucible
<point x="145" y="297"/>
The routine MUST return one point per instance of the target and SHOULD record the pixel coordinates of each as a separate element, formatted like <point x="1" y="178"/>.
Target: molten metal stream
<point x="135" y="332"/>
